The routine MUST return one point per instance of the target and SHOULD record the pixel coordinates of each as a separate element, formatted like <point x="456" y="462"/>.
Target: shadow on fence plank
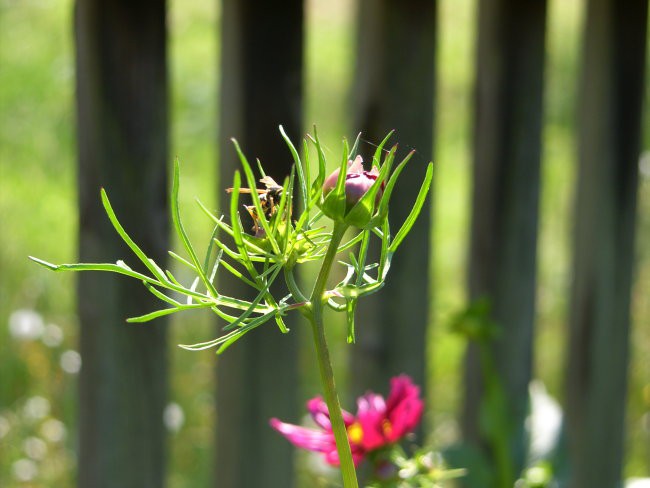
<point x="257" y="378"/>
<point x="504" y="224"/>
<point x="122" y="146"/>
<point x="611" y="89"/>
<point x="394" y="89"/>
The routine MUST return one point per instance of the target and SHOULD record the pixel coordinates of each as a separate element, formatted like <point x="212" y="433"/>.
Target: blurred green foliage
<point x="38" y="216"/>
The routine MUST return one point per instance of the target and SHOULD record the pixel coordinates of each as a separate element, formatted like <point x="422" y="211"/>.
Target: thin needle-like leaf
<point x="377" y="156"/>
<point x="182" y="260"/>
<point x="385" y="242"/>
<point x="160" y="295"/>
<point x="307" y="166"/>
<point x="415" y="211"/>
<point x="237" y="227"/>
<point x="263" y="293"/>
<point x="238" y="274"/>
<point x="208" y="255"/>
<point x="215" y="267"/>
<point x="317" y="185"/>
<point x="238" y="334"/>
<point x="155" y="270"/>
<point x="304" y="196"/>
<point x="229" y="230"/>
<point x="166" y="311"/>
<point x="169" y="283"/>
<point x="350" y="308"/>
<point x="113" y="268"/>
<point x="385" y="199"/>
<point x="252" y="184"/>
<point x="180" y="230"/>
<point x="355" y="147"/>
<point x="363" y="253"/>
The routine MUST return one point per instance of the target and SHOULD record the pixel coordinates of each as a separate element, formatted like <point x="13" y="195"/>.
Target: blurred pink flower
<point x="378" y="422"/>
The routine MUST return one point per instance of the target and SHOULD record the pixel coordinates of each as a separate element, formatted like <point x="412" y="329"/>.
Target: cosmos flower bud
<point x="358" y="183"/>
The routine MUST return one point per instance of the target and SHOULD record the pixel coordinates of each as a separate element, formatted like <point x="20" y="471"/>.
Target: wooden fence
<point x="122" y="133"/>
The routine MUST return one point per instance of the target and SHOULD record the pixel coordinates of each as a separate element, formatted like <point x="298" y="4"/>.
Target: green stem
<point x="499" y="438"/>
<point x="327" y="375"/>
<point x="290" y="279"/>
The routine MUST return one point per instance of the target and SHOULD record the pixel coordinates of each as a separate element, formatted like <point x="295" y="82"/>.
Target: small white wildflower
<point x="173" y="417"/>
<point x="637" y="483"/>
<point x="53" y="430"/>
<point x="70" y="361"/>
<point x="25" y="324"/>
<point x="52" y="335"/>
<point x="36" y="407"/>
<point x="25" y="470"/>
<point x="35" y="448"/>
<point x="644" y="164"/>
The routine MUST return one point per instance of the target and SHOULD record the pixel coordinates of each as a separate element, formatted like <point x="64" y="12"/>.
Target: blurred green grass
<point x="38" y="216"/>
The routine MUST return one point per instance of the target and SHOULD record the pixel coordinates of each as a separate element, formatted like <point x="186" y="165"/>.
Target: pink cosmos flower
<point x="357" y="182"/>
<point x="378" y="422"/>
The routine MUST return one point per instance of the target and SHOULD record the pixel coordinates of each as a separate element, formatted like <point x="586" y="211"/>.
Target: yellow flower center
<point x="386" y="427"/>
<point x="355" y="433"/>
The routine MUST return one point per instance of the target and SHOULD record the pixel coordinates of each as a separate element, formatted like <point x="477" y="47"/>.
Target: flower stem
<point x="327" y="375"/>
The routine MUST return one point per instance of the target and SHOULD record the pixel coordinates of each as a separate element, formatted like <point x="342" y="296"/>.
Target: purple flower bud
<point x="357" y="182"/>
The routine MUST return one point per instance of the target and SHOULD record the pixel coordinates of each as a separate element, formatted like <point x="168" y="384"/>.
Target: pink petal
<point x="405" y="418"/>
<point x="401" y="388"/>
<point x="310" y="439"/>
<point x="332" y="458"/>
<point x="371" y="414"/>
<point x="355" y="166"/>
<point x="370" y="402"/>
<point x="404" y="407"/>
<point x="315" y="440"/>
<point x="319" y="412"/>
<point x="358" y="455"/>
<point x="330" y="182"/>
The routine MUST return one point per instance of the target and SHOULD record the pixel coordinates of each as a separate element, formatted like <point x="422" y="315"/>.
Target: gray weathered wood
<point x="394" y="89"/>
<point x="123" y="147"/>
<point x="257" y="378"/>
<point x="505" y="200"/>
<point x="611" y="91"/>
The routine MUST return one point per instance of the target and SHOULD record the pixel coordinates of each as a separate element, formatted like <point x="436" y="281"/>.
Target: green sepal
<point x="382" y="211"/>
<point x="334" y="204"/>
<point x="317" y="185"/>
<point x="355" y="147"/>
<point x="361" y="214"/>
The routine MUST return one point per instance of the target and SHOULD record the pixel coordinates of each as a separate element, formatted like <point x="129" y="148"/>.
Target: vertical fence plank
<point x="394" y="89"/>
<point x="505" y="199"/>
<point x="122" y="145"/>
<point x="611" y="90"/>
<point x="257" y="378"/>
